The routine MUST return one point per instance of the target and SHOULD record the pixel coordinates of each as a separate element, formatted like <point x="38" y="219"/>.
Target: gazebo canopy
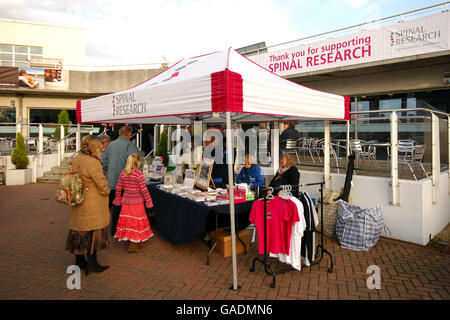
<point x="198" y="88"/>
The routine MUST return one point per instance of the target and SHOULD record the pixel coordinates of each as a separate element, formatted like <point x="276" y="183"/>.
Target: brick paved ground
<point x="33" y="265"/>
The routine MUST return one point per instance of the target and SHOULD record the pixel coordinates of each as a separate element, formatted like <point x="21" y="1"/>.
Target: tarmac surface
<point x="33" y="265"/>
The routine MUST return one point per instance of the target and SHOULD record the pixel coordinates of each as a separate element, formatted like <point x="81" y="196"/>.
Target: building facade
<point x="42" y="72"/>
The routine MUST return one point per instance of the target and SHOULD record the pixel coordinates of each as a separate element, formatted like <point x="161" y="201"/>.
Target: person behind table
<point x="133" y="224"/>
<point x="288" y="174"/>
<point x="289" y="133"/>
<point x="114" y="160"/>
<point x="89" y="221"/>
<point x="251" y="173"/>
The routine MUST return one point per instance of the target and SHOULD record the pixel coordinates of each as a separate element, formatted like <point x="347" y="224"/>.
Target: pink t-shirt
<point x="278" y="217"/>
<point x="290" y="219"/>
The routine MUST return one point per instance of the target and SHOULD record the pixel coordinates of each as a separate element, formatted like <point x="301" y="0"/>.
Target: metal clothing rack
<point x="266" y="263"/>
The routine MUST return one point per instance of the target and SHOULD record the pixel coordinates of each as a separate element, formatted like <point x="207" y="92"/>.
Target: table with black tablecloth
<point x="181" y="220"/>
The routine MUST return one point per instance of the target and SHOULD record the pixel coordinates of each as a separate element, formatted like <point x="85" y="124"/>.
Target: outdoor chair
<point x="291" y="148"/>
<point x="370" y="152"/>
<point x="316" y="148"/>
<point x="405" y="149"/>
<point x="333" y="152"/>
<point x="70" y="144"/>
<point x="356" y="148"/>
<point x="305" y="146"/>
<point x="416" y="158"/>
<point x="5" y="145"/>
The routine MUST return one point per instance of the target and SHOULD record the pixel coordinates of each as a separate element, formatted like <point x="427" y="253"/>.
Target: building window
<point x="18" y="56"/>
<point x="7" y="114"/>
<point x="389" y="104"/>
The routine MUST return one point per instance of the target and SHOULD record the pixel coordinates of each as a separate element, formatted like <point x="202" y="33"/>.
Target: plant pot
<point x="15" y="177"/>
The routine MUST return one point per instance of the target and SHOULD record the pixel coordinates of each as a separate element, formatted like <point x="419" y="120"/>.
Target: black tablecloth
<point x="181" y="220"/>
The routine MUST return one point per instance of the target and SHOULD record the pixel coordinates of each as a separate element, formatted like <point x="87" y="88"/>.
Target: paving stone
<point x="163" y="271"/>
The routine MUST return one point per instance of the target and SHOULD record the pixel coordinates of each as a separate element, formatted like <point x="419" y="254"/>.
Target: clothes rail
<point x="265" y="262"/>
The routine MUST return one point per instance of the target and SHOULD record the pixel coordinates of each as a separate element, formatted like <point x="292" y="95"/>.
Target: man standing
<point x="114" y="160"/>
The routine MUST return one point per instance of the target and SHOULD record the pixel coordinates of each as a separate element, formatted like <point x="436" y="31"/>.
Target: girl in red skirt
<point x="133" y="224"/>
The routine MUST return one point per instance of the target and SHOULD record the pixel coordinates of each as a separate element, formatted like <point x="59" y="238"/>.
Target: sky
<point x="120" y="32"/>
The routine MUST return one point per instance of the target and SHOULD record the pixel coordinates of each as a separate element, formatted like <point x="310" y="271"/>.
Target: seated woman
<point x="251" y="174"/>
<point x="287" y="174"/>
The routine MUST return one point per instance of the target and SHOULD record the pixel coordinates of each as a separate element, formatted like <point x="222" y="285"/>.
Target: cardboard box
<point x="224" y="241"/>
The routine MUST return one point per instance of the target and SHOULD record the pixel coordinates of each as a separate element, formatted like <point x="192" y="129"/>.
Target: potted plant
<point x="19" y="159"/>
<point x="63" y="118"/>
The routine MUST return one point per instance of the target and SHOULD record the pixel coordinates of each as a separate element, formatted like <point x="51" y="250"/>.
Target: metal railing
<point x="436" y="118"/>
<point x="60" y="144"/>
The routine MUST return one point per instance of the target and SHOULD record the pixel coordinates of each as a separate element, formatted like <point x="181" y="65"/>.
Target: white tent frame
<point x="245" y="117"/>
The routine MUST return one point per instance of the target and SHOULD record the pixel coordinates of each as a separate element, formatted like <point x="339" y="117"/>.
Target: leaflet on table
<point x="189" y="179"/>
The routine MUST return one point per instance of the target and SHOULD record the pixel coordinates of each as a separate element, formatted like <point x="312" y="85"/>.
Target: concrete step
<point x="49" y="179"/>
<point x="58" y="170"/>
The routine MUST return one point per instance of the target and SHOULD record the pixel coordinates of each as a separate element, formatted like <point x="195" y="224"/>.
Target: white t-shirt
<point x="293" y="258"/>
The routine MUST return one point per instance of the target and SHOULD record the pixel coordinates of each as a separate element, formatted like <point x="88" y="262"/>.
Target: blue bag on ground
<point x="358" y="229"/>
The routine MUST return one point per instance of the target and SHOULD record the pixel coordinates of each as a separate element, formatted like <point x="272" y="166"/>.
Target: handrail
<point x="145" y="158"/>
<point x="47" y="124"/>
<point x="53" y="144"/>
<point x="401" y="110"/>
<point x="351" y="27"/>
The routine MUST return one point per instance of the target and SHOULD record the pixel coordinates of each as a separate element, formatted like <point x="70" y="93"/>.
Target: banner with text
<point x="419" y="36"/>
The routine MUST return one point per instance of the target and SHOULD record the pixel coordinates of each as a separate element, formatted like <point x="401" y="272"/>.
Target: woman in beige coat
<point x="89" y="221"/>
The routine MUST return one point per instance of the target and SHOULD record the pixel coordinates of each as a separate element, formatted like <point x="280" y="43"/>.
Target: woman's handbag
<point x="70" y="189"/>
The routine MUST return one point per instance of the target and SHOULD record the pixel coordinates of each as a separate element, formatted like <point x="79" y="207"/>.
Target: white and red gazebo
<point x="220" y="82"/>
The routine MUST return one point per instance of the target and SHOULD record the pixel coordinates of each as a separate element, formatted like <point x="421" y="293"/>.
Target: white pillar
<point x="41" y="145"/>
<point x="326" y="160"/>
<point x="275" y="150"/>
<point x="178" y="144"/>
<point x="394" y="160"/>
<point x="34" y="170"/>
<point x="18" y="128"/>
<point x="62" y="135"/>
<point x="155" y="138"/>
<point x="59" y="154"/>
<point x="137" y="140"/>
<point x="78" y="138"/>
<point x="435" y="156"/>
<point x="169" y="142"/>
<point x="231" y="194"/>
<point x="347" y="145"/>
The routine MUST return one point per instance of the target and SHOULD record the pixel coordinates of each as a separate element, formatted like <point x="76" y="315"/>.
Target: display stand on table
<point x="203" y="178"/>
<point x="265" y="262"/>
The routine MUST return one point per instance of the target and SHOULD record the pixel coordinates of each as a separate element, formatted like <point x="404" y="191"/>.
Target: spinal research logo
<point x="413" y="35"/>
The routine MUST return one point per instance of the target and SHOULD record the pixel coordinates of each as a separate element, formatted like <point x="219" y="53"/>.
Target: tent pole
<point x="231" y="194"/>
<point x="275" y="148"/>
